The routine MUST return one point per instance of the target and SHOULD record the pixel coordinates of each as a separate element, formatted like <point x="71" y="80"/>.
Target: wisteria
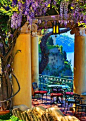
<point x="14" y="20"/>
<point x="66" y="9"/>
<point x="27" y="4"/>
<point x="30" y="9"/>
<point x="20" y="6"/>
<point x="1" y="45"/>
<point x="34" y="8"/>
<point x="14" y="2"/>
<point x="84" y="19"/>
<point x="61" y="8"/>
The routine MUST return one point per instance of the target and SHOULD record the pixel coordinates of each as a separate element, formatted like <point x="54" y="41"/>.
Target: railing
<point x="45" y="80"/>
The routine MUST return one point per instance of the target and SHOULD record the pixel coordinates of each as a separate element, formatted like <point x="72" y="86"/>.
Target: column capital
<point x="33" y="27"/>
<point x="25" y="29"/>
<point x="82" y="31"/>
<point x="30" y="28"/>
<point x="79" y="31"/>
<point x="39" y="32"/>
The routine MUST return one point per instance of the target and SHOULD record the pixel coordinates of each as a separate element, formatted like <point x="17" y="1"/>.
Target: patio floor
<point x="48" y="104"/>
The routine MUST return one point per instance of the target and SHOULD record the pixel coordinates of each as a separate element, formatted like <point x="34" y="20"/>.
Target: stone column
<point x="34" y="54"/>
<point x="80" y="61"/>
<point x="22" y="68"/>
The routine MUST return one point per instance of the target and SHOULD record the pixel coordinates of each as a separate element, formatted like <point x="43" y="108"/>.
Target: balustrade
<point x="45" y="80"/>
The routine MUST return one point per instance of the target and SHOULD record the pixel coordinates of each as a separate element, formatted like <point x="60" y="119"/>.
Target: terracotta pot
<point x="4" y="112"/>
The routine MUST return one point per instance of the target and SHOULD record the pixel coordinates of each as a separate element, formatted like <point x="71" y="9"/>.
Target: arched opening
<point x="57" y="66"/>
<point x="64" y="45"/>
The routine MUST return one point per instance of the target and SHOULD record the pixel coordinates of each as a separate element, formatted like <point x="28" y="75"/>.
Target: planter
<point x="5" y="115"/>
<point x="4" y="112"/>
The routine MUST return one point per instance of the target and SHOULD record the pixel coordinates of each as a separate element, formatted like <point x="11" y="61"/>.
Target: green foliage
<point x="4" y="4"/>
<point x="67" y="65"/>
<point x="82" y="24"/>
<point x="84" y="7"/>
<point x="12" y="118"/>
<point x="5" y="116"/>
<point x="44" y="31"/>
<point x="3" y="24"/>
<point x="65" y="55"/>
<point x="61" y="48"/>
<point x="50" y="41"/>
<point x="51" y="46"/>
<point x="39" y="48"/>
<point x="6" y="12"/>
<point x="57" y="46"/>
<point x="59" y="1"/>
<point x="47" y="67"/>
<point x="56" y="73"/>
<point x="66" y="62"/>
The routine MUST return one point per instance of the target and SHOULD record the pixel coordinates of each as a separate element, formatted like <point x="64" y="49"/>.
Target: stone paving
<point x="48" y="104"/>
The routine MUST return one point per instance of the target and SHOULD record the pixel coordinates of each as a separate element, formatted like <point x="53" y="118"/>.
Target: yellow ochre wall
<point x="22" y="70"/>
<point x="80" y="64"/>
<point x="34" y="60"/>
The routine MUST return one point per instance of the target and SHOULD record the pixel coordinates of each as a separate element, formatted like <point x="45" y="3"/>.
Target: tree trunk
<point x="4" y="91"/>
<point x="9" y="89"/>
<point x="9" y="92"/>
<point x="0" y="91"/>
<point x="44" y="52"/>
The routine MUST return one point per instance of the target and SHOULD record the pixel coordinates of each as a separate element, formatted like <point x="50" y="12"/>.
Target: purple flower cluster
<point x="16" y="20"/>
<point x="1" y="45"/>
<point x="8" y="65"/>
<point x="32" y="8"/>
<point x="14" y="2"/>
<point x="20" y="6"/>
<point x="29" y="8"/>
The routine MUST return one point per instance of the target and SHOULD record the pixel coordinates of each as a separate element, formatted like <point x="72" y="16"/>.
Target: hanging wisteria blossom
<point x="28" y="8"/>
<point x="36" y="8"/>
<point x="14" y="20"/>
